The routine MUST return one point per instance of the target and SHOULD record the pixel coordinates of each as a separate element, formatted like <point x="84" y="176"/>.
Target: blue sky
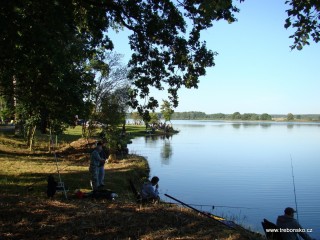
<point x="255" y="71"/>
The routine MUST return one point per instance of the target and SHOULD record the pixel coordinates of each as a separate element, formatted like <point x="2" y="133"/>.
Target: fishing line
<point x="213" y="206"/>
<point x="294" y="189"/>
<point x="53" y="170"/>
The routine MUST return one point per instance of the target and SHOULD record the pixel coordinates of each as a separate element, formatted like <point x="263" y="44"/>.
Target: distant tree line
<point x="195" y="115"/>
<point x="221" y="116"/>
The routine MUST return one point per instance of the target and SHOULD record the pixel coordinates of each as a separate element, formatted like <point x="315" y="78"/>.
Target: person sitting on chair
<point x="287" y="222"/>
<point x="149" y="191"/>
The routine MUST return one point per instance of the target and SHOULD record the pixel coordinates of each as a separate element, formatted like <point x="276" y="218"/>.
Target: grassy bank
<point x="22" y="171"/>
<point x="140" y="131"/>
<point x="26" y="212"/>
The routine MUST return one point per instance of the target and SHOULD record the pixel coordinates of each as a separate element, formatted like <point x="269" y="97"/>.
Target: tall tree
<point x="290" y="117"/>
<point x="46" y="46"/>
<point x="265" y="117"/>
<point x="236" y="116"/>
<point x="113" y="113"/>
<point x="110" y="73"/>
<point x="166" y="110"/>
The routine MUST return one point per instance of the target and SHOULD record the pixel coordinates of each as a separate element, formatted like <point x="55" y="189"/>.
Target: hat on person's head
<point x="289" y="211"/>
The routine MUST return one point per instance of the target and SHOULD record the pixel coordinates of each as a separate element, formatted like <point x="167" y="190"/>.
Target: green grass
<point x="22" y="170"/>
<point x="140" y="131"/>
<point x="136" y="130"/>
<point x="41" y="141"/>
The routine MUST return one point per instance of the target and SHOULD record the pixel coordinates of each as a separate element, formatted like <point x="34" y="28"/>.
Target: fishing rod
<point x="294" y="189"/>
<point x="215" y="206"/>
<point x="53" y="171"/>
<point x="198" y="211"/>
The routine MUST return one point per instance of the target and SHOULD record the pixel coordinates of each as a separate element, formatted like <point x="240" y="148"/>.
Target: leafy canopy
<point x="304" y="17"/>
<point x="46" y="46"/>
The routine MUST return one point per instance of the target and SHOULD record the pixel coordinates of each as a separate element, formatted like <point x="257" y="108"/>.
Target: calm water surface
<point x="243" y="169"/>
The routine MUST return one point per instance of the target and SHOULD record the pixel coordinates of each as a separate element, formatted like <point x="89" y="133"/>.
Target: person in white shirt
<point x="149" y="191"/>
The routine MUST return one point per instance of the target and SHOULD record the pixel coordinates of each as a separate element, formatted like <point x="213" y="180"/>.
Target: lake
<point x="243" y="169"/>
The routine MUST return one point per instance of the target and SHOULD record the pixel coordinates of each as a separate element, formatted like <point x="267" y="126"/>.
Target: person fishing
<point x="95" y="161"/>
<point x="104" y="154"/>
<point x="290" y="227"/>
<point x="149" y="191"/>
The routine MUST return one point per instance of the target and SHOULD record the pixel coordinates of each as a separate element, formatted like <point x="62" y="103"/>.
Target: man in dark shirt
<point x="290" y="227"/>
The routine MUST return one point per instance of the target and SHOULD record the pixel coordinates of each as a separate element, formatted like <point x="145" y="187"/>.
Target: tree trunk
<point x="124" y="127"/>
<point x="84" y="129"/>
<point x="43" y="121"/>
<point x="31" y="133"/>
<point x="50" y="140"/>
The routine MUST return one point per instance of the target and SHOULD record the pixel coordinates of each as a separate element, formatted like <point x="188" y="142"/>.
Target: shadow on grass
<point x="36" y="218"/>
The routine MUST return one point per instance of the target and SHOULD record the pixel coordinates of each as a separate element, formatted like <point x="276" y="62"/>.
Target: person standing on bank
<point x="149" y="191"/>
<point x="95" y="161"/>
<point x="291" y="227"/>
<point x="104" y="154"/>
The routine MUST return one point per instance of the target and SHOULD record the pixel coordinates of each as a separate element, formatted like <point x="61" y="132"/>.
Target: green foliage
<point x="220" y="116"/>
<point x="290" y="117"/>
<point x="52" y="50"/>
<point x="164" y="52"/>
<point x="189" y="115"/>
<point x="113" y="113"/>
<point x="236" y="116"/>
<point x="166" y="110"/>
<point x="5" y="112"/>
<point x="217" y="116"/>
<point x="304" y="17"/>
<point x="46" y="45"/>
<point x="154" y="118"/>
<point x="265" y="117"/>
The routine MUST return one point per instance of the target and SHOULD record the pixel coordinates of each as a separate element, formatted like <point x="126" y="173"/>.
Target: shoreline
<point x="249" y="121"/>
<point x="27" y="213"/>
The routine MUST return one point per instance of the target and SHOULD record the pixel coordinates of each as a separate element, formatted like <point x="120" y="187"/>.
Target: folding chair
<point x="271" y="235"/>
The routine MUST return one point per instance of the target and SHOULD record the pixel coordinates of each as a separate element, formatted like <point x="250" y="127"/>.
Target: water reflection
<point x="199" y="125"/>
<point x="151" y="139"/>
<point x="247" y="125"/>
<point x="290" y="126"/>
<point x="236" y="125"/>
<point x="166" y="152"/>
<point x="265" y="125"/>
